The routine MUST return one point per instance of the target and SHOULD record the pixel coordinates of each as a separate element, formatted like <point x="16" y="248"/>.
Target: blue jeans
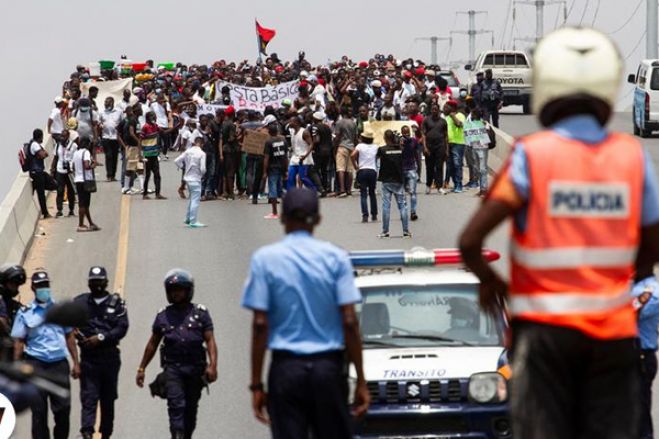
<point x="457" y="156"/>
<point x="274" y="184"/>
<point x="480" y="155"/>
<point x="397" y="190"/>
<point x="411" y="178"/>
<point x="301" y="170"/>
<point x="193" y="205"/>
<point x="367" y="179"/>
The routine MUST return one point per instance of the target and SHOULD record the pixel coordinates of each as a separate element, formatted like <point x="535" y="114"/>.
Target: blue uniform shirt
<point x="43" y="341"/>
<point x="301" y="282"/>
<point x="648" y="318"/>
<point x="584" y="128"/>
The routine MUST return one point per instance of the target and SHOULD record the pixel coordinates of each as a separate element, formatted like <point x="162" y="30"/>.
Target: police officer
<point x="44" y="346"/>
<point x="183" y="327"/>
<point x="491" y="98"/>
<point x="302" y="292"/>
<point x="99" y="352"/>
<point x="646" y="294"/>
<point x="585" y="209"/>
<point x="12" y="276"/>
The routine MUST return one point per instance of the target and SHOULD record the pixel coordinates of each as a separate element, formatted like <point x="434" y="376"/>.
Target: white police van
<point x="435" y="366"/>
<point x="645" y="112"/>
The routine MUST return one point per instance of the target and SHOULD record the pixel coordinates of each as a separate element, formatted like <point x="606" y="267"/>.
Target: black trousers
<point x="322" y="165"/>
<point x="368" y="179"/>
<point x="111" y="150"/>
<point x="490" y="111"/>
<point x="61" y="407"/>
<point x="64" y="183"/>
<point x="648" y="362"/>
<point x="308" y="394"/>
<point x="570" y="386"/>
<point x="435" y="166"/>
<point x="39" y="185"/>
<point x="184" y="385"/>
<point x="152" y="166"/>
<point x="99" y="378"/>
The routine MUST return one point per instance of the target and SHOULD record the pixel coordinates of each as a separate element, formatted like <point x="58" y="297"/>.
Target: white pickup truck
<point x="512" y="68"/>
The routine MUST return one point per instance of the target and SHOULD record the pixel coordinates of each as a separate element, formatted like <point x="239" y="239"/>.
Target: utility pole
<point x="433" y="46"/>
<point x="472" y="32"/>
<point x="540" y="13"/>
<point x="651" y="34"/>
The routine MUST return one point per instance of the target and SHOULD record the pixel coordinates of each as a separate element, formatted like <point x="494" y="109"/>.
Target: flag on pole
<point x="264" y="36"/>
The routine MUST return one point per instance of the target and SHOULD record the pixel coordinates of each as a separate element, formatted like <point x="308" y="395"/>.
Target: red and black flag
<point x="264" y="35"/>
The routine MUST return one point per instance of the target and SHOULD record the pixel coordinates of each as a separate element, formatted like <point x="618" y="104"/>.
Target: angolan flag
<point x="264" y="35"/>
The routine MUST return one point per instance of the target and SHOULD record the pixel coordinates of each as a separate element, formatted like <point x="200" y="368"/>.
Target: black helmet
<point x="11" y="273"/>
<point x="179" y="278"/>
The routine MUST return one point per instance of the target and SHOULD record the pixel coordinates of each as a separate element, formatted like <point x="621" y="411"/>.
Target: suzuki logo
<point x="413" y="390"/>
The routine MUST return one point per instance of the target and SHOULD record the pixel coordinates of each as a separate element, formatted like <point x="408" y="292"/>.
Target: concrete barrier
<point x="499" y="155"/>
<point x="19" y="214"/>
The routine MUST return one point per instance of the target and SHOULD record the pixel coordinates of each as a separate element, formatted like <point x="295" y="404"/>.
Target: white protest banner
<point x="476" y="133"/>
<point x="210" y="109"/>
<point x="114" y="89"/>
<point x="380" y="126"/>
<point x="257" y="98"/>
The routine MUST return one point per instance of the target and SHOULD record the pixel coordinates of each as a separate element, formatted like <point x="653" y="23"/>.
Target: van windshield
<point x="426" y="315"/>
<point x="654" y="80"/>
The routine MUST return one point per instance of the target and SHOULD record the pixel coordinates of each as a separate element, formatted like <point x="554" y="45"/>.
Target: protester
<point x="479" y="148"/>
<point x="455" y="128"/>
<point x="391" y="176"/>
<point x="150" y="136"/>
<point x="229" y="152"/>
<point x="364" y="160"/>
<point x="434" y="130"/>
<point x="193" y="163"/>
<point x="345" y="136"/>
<point x="109" y="121"/>
<point x="411" y="167"/>
<point x="275" y="167"/>
<point x="83" y="171"/>
<point x="301" y="158"/>
<point x="61" y="167"/>
<point x="56" y="118"/>
<point x="38" y="169"/>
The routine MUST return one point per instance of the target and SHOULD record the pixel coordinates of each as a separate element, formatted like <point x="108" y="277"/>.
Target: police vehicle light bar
<point x="417" y="257"/>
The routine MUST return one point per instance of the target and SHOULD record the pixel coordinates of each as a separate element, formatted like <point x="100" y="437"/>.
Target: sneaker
<point x="186" y="222"/>
<point x="407" y="235"/>
<point x="125" y="191"/>
<point x="255" y="201"/>
<point x="383" y="235"/>
<point x="271" y="216"/>
<point x="151" y="191"/>
<point x="160" y="197"/>
<point x="457" y="190"/>
<point x="59" y="213"/>
<point x="165" y="158"/>
<point x="197" y="225"/>
<point x="365" y="219"/>
<point x="414" y="217"/>
<point x="374" y="218"/>
<point x="472" y="185"/>
<point x="146" y="197"/>
<point x="134" y="192"/>
<point x="443" y="191"/>
<point x="342" y="195"/>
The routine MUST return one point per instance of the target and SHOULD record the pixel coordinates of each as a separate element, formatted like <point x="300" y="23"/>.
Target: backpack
<point x="25" y="157"/>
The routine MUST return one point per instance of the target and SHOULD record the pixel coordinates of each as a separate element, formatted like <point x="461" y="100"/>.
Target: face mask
<point x="84" y="109"/>
<point x="97" y="289"/>
<point x="42" y="295"/>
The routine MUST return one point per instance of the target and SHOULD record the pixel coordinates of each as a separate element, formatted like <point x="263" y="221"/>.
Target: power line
<point x="574" y="2"/>
<point x="629" y="19"/>
<point x="597" y="9"/>
<point x="584" y="12"/>
<point x="636" y="46"/>
<point x="505" y="24"/>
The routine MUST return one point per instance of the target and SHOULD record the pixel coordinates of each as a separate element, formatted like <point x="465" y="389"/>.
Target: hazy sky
<point x="42" y="41"/>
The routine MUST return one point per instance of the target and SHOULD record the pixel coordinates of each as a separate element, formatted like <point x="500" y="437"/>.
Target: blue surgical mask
<point x="42" y="294"/>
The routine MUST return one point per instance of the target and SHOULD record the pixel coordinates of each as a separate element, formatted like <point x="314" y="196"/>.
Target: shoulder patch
<point x="202" y="307"/>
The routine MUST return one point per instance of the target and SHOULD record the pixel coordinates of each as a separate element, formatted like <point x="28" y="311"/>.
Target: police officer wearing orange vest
<point x="585" y="208"/>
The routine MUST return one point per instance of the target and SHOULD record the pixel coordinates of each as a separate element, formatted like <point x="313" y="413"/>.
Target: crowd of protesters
<point x="317" y="139"/>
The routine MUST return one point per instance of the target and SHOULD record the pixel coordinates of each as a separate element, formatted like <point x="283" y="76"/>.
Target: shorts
<point x="343" y="162"/>
<point x="84" y="197"/>
<point x="275" y="184"/>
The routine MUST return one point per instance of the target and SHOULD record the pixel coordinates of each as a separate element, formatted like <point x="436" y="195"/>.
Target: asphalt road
<point x="218" y="257"/>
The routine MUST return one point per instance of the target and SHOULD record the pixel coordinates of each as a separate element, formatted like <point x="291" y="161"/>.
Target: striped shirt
<point x="149" y="136"/>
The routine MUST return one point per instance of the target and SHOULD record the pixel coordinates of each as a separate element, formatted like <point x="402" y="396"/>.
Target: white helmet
<point x="576" y="61"/>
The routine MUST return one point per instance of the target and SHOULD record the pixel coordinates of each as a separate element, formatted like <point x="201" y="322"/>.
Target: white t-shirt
<point x="58" y="123"/>
<point x="79" y="158"/>
<point x="65" y="155"/>
<point x="35" y="148"/>
<point x="299" y="148"/>
<point x="194" y="162"/>
<point x="110" y="120"/>
<point x="161" y="114"/>
<point x="367" y="154"/>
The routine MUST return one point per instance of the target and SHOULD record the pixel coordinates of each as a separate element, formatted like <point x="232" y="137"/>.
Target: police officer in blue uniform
<point x="184" y="328"/>
<point x="99" y="352"/>
<point x="646" y="300"/>
<point x="12" y="276"/>
<point x="44" y="346"/>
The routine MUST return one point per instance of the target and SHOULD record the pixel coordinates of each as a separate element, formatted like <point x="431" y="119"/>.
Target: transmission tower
<point x="472" y="32"/>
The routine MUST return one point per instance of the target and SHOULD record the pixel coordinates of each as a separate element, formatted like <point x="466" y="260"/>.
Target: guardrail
<point x="19" y="214"/>
<point x="499" y="155"/>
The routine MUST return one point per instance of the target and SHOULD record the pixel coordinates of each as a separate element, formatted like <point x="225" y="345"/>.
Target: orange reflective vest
<point x="573" y="264"/>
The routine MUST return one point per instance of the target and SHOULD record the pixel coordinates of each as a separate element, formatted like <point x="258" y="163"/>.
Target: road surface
<point x="151" y="239"/>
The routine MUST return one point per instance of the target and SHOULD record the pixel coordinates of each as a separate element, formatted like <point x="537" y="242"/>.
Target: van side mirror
<point x="631" y="79"/>
<point x="468" y="67"/>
